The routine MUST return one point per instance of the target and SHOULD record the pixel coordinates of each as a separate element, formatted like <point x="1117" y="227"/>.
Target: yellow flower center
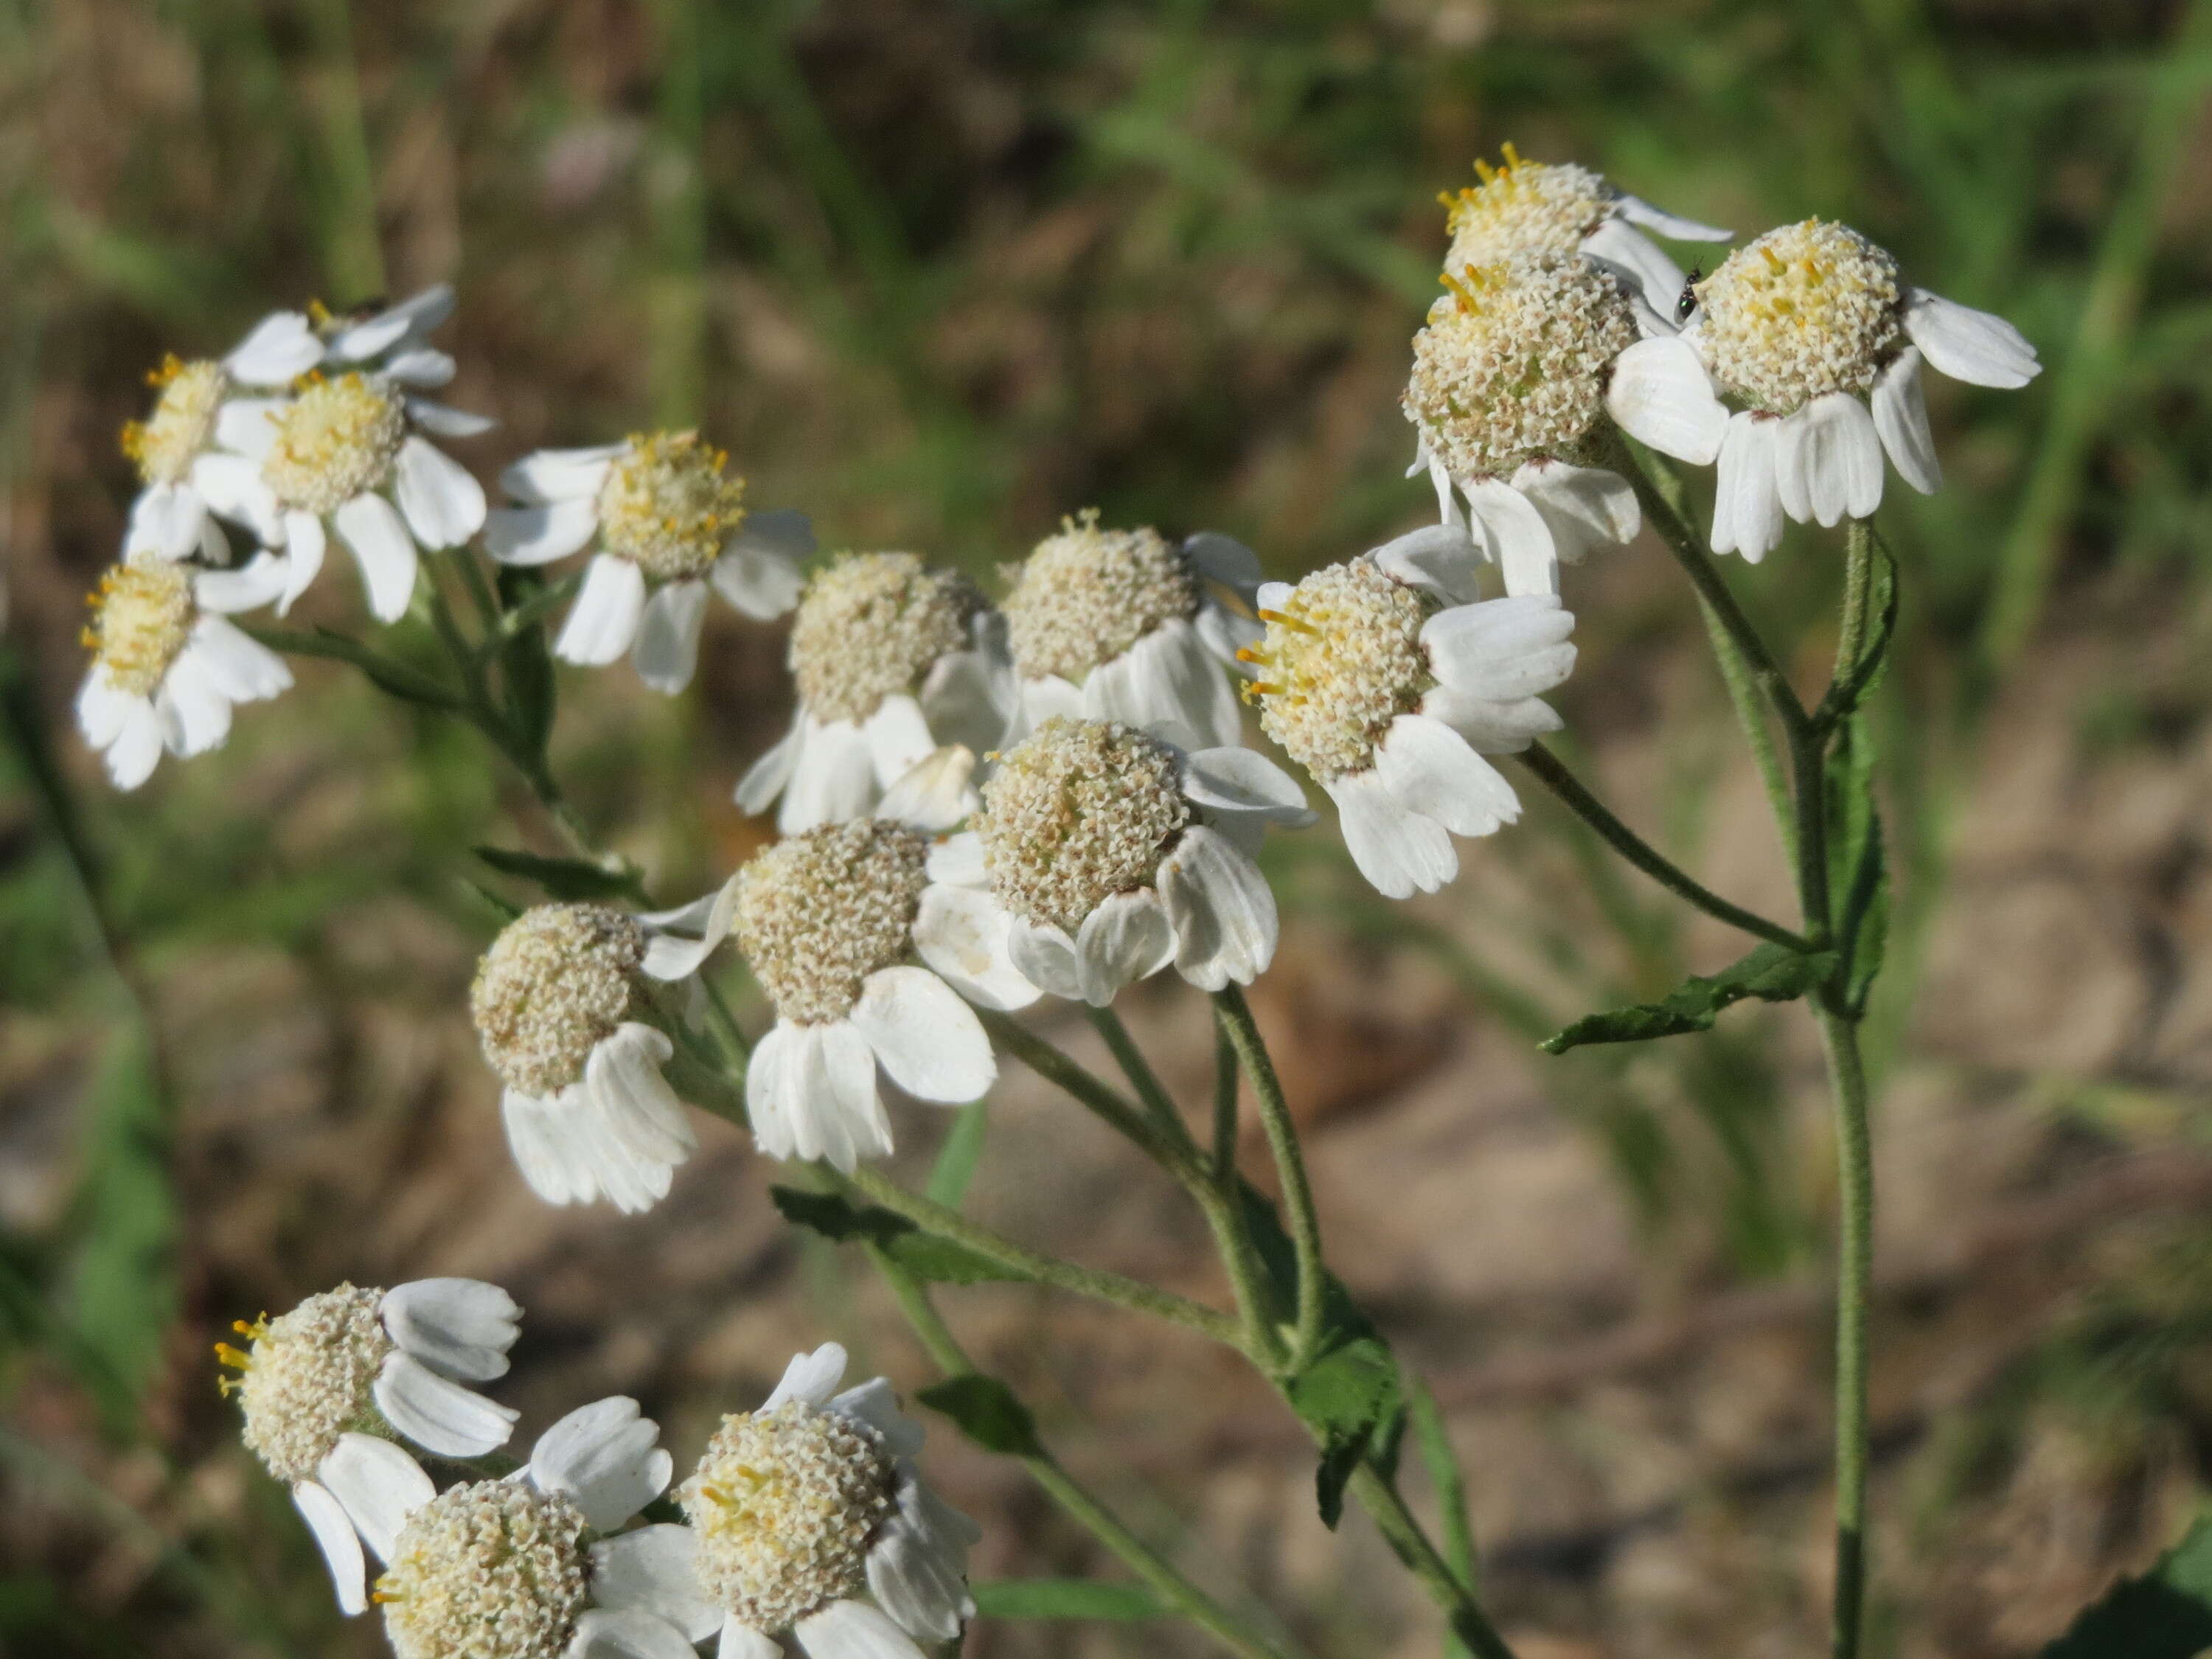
<point x="167" y="442"/>
<point x="335" y="441"/>
<point x="667" y="507"/>
<point x="1523" y="207"/>
<point x="1803" y="310"/>
<point x="142" y="614"/>
<point x="1340" y="662"/>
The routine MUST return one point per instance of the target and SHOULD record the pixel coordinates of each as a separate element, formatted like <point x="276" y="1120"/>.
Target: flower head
<point x="1814" y="328"/>
<point x="666" y="512"/>
<point x="1389" y="691"/>
<point x="1115" y="853"/>
<point x="821" y="911"/>
<point x="559" y="980"/>
<point x="489" y="1569"/>
<point x="338" y="438"/>
<point x="180" y="428"/>
<point x="870" y="627"/>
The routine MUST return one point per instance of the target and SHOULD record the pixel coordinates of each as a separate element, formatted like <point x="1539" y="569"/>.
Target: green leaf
<point x="957" y="1159"/>
<point x="986" y="1412"/>
<point x="524" y="661"/>
<point x="506" y="910"/>
<point x="1063" y="1598"/>
<point x="386" y="673"/>
<point x="924" y="1255"/>
<point x="1351" y="1398"/>
<point x="565" y="878"/>
<point x="123" y="1286"/>
<point x="2165" y="1614"/>
<point x="1772" y="972"/>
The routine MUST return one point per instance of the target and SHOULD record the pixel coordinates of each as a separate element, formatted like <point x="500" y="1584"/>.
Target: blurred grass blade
<point x="956" y="1164"/>
<point x="123" y="1286"/>
<point x="2165" y="1614"/>
<point x="1433" y="1440"/>
<point x="1064" y="1598"/>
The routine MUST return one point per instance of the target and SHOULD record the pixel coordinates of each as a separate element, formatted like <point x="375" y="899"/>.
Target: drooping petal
<point x="854" y="1630"/>
<point x="1243" y="781"/>
<point x="1967" y="344"/>
<point x="1221" y="909"/>
<point x="377" y="1485"/>
<point x="1583" y="507"/>
<point x="667" y="649"/>
<point x="101" y="709"/>
<point x="851" y="1119"/>
<point x="1830" y="461"/>
<point x="282" y="347"/>
<point x="971" y="698"/>
<point x="259" y="582"/>
<point x="1518" y="538"/>
<point x="607" y="1457"/>
<point x="766" y="778"/>
<point x="760" y="583"/>
<point x="1399" y="851"/>
<point x="1637" y="210"/>
<point x="416" y="315"/>
<point x="1128" y="937"/>
<point x="447" y="422"/>
<point x="927" y="1041"/>
<point x="436" y="1412"/>
<point x="1441" y="559"/>
<point x="542" y="1152"/>
<point x="539" y="535"/>
<point x="1491" y="727"/>
<point x="1660" y="395"/>
<point x="372" y="527"/>
<point x="623" y="1075"/>
<point x="898" y="738"/>
<point x="1747" y="501"/>
<point x="958" y="860"/>
<point x="603" y="622"/>
<point x="833" y="777"/>
<point x="193" y="709"/>
<point x="627" y="1633"/>
<point x="340" y="1544"/>
<point x="1045" y="956"/>
<point x="742" y="1642"/>
<point x="770" y="1087"/>
<point x="134" y="750"/>
<point x="1638" y="261"/>
<point x="231" y="485"/>
<point x="422" y="366"/>
<point x="247" y="426"/>
<point x="303" y="557"/>
<point x="654" y="1569"/>
<point x="918" y="1565"/>
<point x="669" y="956"/>
<point x="936" y="793"/>
<point x="443" y="502"/>
<point x="165" y="521"/>
<point x="549" y="476"/>
<point x="875" y="1402"/>
<point x="811" y="1377"/>
<point x="1048" y="695"/>
<point x="1501" y="650"/>
<point x="1224" y="559"/>
<point x="461" y="1326"/>
<point x="961" y="932"/>
<point x="1430" y="768"/>
<point x="1900" y="417"/>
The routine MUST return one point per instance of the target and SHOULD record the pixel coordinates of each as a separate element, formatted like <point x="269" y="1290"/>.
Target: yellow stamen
<point x="1298" y="623"/>
<point x="232" y="1357"/>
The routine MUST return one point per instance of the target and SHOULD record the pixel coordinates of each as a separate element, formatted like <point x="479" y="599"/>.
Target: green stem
<point x="1858" y="594"/>
<point x="1752" y="716"/>
<point x="1645" y="857"/>
<point x="1071" y="1080"/>
<point x="1243" y="1032"/>
<point x="724" y="1022"/>
<point x="1095" y="1283"/>
<point x="1386" y="1506"/>
<point x="1139" y="1071"/>
<point x="1853" y="1288"/>
<point x="1224" y="1107"/>
<point x="1173" y="1589"/>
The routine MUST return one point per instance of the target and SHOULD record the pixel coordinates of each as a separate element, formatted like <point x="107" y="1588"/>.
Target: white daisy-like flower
<point x="1121" y="625"/>
<point x="894" y="661"/>
<point x="830" y="920"/>
<point x="350" y="450"/>
<point x="1808" y="325"/>
<point x="330" y="1388"/>
<point x="561" y="1002"/>
<point x="1511" y="378"/>
<point x="511" y="1569"/>
<point x="1390" y="695"/>
<point x="165" y="667"/>
<point x="1116" y="853"/>
<point x="189" y="483"/>
<point x="1538" y="207"/>
<point x="663" y="510"/>
<point x="798" y="1510"/>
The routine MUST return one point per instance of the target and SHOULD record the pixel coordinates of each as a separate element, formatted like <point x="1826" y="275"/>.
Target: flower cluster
<point x="807" y="1515"/>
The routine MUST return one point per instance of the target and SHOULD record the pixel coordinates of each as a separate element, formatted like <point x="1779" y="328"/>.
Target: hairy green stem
<point x="1018" y="1259"/>
<point x="1174" y="1590"/>
<point x="1640" y="853"/>
<point x="1074" y="1080"/>
<point x="1854" y="1290"/>
<point x="1236" y="1017"/>
<point x="1139" y="1072"/>
<point x="1224" y="1107"/>
<point x="1386" y="1505"/>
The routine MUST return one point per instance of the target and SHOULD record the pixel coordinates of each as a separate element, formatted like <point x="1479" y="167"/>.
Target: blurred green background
<point x="938" y="273"/>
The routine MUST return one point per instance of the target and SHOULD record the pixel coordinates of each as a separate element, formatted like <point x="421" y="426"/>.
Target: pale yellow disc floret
<point x="1086" y="595"/>
<point x="142" y="615"/>
<point x="1803" y="310"/>
<point x="667" y="507"/>
<point x="487" y="1569"/>
<point x="1079" y="811"/>
<point x="1513" y="364"/>
<point x="168" y="441"/>
<point x="556" y="983"/>
<point x="870" y="627"/>
<point x="335" y="440"/>
<point x="819" y="912"/>
<point x="1341" y="660"/>
<point x="784" y="1503"/>
<point x="306" y="1377"/>
<point x="1524" y="207"/>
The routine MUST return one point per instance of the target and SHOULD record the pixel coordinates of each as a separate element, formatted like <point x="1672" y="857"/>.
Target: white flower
<point x="188" y="481"/>
<point x="894" y="661"/>
<point x="1390" y="695"/>
<point x="660" y="507"/>
<point x="508" y="1570"/>
<point x="326" y="1386"/>
<point x="798" y="1510"/>
<point x="1536" y="207"/>
<point x="1116" y="853"/>
<point x="1118" y="625"/>
<point x="165" y="666"/>
<point x="558" y="1003"/>
<point x="1511" y="378"/>
<point x="1809" y="325"/>
<point x="351" y="443"/>
<point x="828" y="919"/>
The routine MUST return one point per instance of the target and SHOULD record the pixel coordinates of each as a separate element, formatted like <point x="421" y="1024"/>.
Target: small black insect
<point x="1686" y="301"/>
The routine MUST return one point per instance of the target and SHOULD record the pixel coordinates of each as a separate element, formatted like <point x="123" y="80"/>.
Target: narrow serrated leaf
<point x="565" y="878"/>
<point x="1771" y="973"/>
<point x="524" y="662"/>
<point x="1063" y="1598"/>
<point x="1351" y="1398"/>
<point x="922" y="1253"/>
<point x="987" y="1411"/>
<point x="123" y="1289"/>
